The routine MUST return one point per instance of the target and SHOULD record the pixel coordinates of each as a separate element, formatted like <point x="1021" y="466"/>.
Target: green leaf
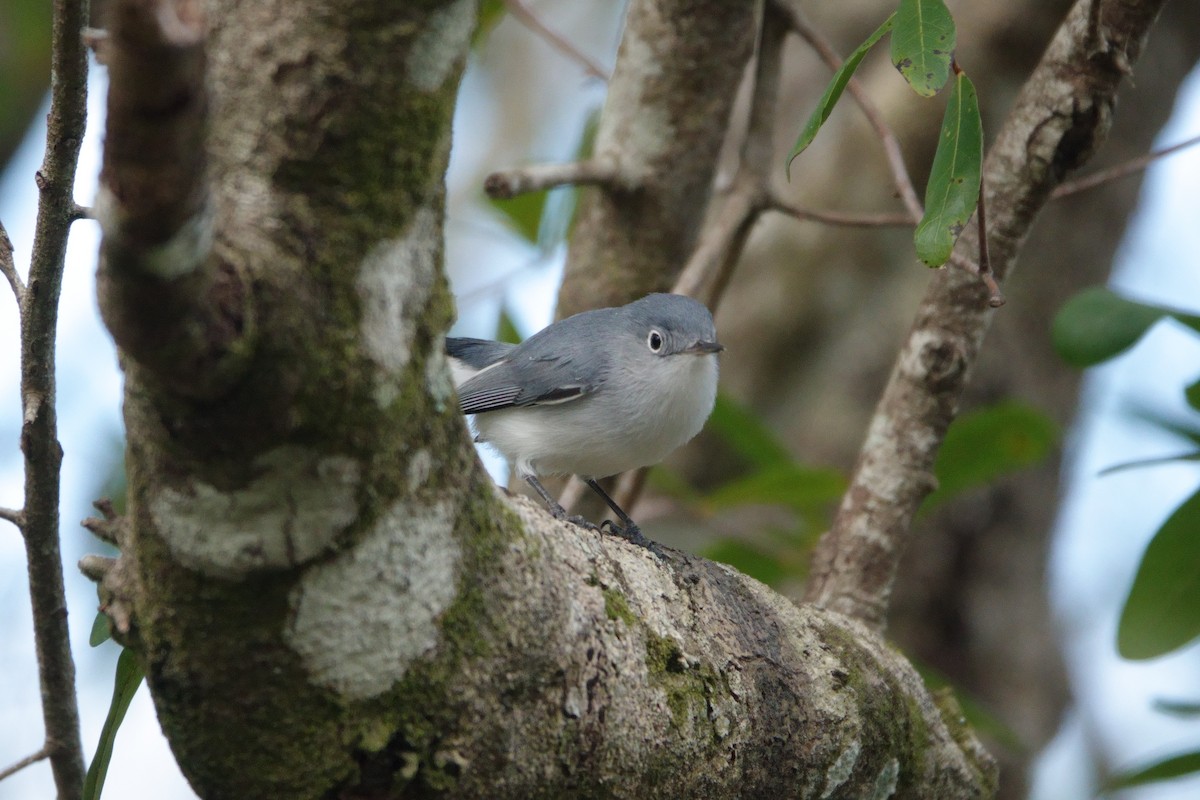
<point x="806" y="490"/>
<point x="1162" y="612"/>
<point x="745" y="432"/>
<point x="1149" y="462"/>
<point x="923" y="44"/>
<point x="987" y="443"/>
<point x="1178" y="708"/>
<point x="1097" y="324"/>
<point x="953" y="189"/>
<point x="833" y="91"/>
<point x="982" y="719"/>
<point x="748" y="559"/>
<point x="490" y="14"/>
<point x="506" y="329"/>
<point x="128" y="679"/>
<point x="1173" y="767"/>
<point x="1192" y="394"/>
<point x="523" y="213"/>
<point x="101" y="630"/>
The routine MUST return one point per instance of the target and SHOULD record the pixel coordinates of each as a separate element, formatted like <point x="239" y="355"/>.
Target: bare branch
<point x="710" y="265"/>
<point x="8" y="267"/>
<point x="1118" y="171"/>
<point x="39" y="431"/>
<point x="556" y="40"/>
<point x="536" y="177"/>
<point x="1055" y="126"/>
<point x="891" y="145"/>
<point x="845" y="219"/>
<point x="29" y="760"/>
<point x="13" y="515"/>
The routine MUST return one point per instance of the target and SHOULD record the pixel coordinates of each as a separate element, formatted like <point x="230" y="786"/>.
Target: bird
<point x="594" y="394"/>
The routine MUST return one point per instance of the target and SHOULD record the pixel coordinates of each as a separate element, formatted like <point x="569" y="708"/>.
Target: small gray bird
<point x="595" y="394"/>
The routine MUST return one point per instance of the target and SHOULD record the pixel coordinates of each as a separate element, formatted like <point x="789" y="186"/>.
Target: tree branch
<point x="666" y="116"/>
<point x="9" y="268"/>
<point x="167" y="302"/>
<point x="39" y="430"/>
<point x="554" y="39"/>
<point x="793" y="9"/>
<point x="1060" y="117"/>
<point x="1118" y="171"/>
<point x="29" y="760"/>
<point x="509" y="183"/>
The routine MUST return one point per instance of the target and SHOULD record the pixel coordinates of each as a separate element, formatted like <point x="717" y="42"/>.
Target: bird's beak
<point x="702" y="348"/>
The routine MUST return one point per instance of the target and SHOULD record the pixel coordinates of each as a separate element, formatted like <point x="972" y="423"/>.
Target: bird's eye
<point x="654" y="341"/>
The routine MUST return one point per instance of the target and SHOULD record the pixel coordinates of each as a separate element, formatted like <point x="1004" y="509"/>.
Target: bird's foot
<point x="633" y="534"/>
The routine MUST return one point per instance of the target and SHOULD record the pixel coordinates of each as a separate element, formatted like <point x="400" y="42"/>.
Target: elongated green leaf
<point x="1192" y="394"/>
<point x="745" y="432"/>
<point x="101" y="630"/>
<point x="1162" y="612"/>
<point x="490" y="14"/>
<point x="989" y="442"/>
<point x="980" y="717"/>
<point x="833" y="91"/>
<point x="923" y="44"/>
<point x="128" y="679"/>
<point x="523" y="213"/>
<point x="1178" y="708"/>
<point x="1173" y="767"/>
<point x="1149" y="462"/>
<point x="747" y="558"/>
<point x="806" y="490"/>
<point x="953" y="189"/>
<point x="1097" y="324"/>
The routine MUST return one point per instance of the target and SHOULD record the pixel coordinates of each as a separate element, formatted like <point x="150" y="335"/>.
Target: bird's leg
<point x="556" y="510"/>
<point x="628" y="528"/>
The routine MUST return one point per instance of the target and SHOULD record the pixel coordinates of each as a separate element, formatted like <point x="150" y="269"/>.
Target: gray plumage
<point x="597" y="393"/>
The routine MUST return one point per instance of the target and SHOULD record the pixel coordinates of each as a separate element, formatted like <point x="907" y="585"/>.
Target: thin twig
<point x="840" y="218"/>
<point x="39" y="431"/>
<point x="891" y="144"/>
<point x="9" y="267"/>
<point x="711" y="263"/>
<point x="29" y="760"/>
<point x="554" y="39"/>
<point x="995" y="296"/>
<point x="509" y="183"/>
<point x="1121" y="170"/>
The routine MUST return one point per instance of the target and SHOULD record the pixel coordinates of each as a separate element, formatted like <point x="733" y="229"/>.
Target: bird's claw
<point x="633" y="534"/>
<point x="582" y="522"/>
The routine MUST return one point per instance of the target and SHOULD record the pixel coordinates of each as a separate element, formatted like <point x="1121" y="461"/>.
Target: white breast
<point x="629" y="423"/>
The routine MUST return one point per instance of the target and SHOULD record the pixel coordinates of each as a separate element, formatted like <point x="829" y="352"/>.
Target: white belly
<point x="626" y="425"/>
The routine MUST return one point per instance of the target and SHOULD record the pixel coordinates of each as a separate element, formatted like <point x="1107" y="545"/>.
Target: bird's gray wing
<point x="477" y="353"/>
<point x="564" y="362"/>
<point x="526" y="381"/>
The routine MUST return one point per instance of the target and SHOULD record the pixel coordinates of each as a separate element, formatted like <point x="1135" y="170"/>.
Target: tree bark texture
<point x="329" y="597"/>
